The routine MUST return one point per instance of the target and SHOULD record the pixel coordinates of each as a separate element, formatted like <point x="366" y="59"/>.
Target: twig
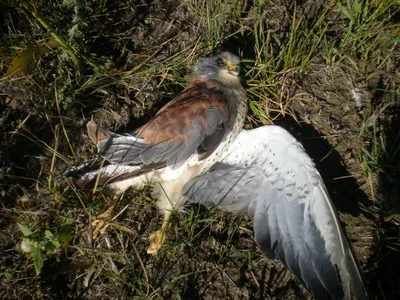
<point x="53" y="160"/>
<point x="143" y="268"/>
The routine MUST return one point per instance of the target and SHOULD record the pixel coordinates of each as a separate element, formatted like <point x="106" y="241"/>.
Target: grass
<point x="329" y="67"/>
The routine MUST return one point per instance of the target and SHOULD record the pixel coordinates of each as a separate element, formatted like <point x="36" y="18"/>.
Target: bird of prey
<point x="183" y="140"/>
<point x="267" y="173"/>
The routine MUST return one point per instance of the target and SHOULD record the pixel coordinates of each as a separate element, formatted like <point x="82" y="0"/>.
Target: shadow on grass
<point x="386" y="276"/>
<point x="382" y="277"/>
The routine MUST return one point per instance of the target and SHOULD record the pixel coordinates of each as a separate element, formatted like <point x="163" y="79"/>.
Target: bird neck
<point x="229" y="80"/>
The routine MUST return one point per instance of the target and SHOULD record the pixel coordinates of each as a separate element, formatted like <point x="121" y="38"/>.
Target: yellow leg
<point x="157" y="238"/>
<point x="103" y="219"/>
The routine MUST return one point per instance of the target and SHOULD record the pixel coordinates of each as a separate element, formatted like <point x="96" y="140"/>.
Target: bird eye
<point x="220" y="62"/>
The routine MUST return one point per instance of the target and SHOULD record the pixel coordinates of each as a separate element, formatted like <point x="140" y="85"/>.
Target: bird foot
<point x="157" y="239"/>
<point x="102" y="222"/>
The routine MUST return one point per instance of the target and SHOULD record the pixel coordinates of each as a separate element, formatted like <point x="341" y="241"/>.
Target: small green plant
<point x="252" y="260"/>
<point x="37" y="243"/>
<point x="366" y="30"/>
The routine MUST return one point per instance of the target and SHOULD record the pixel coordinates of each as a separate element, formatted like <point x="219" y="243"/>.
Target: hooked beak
<point x="234" y="70"/>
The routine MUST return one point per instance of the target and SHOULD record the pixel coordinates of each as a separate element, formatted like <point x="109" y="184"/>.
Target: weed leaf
<point x="48" y="234"/>
<point x="37" y="259"/>
<point x="25" y="230"/>
<point x="65" y="236"/>
<point x="20" y="63"/>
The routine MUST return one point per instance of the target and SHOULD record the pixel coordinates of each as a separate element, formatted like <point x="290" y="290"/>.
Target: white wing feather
<point x="268" y="172"/>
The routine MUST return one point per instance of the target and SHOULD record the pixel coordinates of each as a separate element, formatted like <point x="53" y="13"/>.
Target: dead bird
<point x="183" y="140"/>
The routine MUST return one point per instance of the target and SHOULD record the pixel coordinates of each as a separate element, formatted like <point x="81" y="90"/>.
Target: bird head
<point x="224" y="67"/>
<point x="228" y="63"/>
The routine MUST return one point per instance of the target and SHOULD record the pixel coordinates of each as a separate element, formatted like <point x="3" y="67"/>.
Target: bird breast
<point x="238" y="110"/>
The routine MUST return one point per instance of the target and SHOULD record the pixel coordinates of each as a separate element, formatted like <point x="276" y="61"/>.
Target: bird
<point x="185" y="138"/>
<point x="267" y="173"/>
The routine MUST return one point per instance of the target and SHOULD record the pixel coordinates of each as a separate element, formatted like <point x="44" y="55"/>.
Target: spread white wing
<point x="268" y="173"/>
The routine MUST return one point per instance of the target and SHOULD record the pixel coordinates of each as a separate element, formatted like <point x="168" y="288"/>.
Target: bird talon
<point x="102" y="222"/>
<point x="157" y="239"/>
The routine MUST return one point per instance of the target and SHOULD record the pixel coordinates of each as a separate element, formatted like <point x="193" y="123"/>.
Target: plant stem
<point x="32" y="9"/>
